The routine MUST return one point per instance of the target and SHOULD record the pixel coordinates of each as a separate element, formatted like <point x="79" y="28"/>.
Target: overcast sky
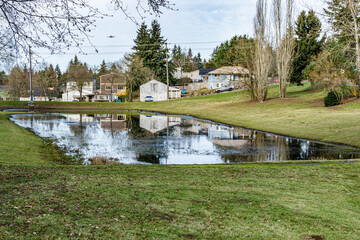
<point x="197" y="24"/>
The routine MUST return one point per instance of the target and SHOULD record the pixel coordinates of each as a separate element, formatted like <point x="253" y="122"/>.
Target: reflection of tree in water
<point x="134" y="129"/>
<point x="78" y="129"/>
<point x="148" y="147"/>
<point x="259" y="148"/>
<point x="149" y="158"/>
<point x="283" y="149"/>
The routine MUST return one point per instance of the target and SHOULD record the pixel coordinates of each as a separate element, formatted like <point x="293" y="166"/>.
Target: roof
<point x="108" y="78"/>
<point x="73" y="80"/>
<point x="230" y="70"/>
<point x="156" y="81"/>
<point x="204" y="71"/>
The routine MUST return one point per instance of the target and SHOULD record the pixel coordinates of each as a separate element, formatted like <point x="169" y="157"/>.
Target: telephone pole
<point x="31" y="103"/>
<point x="167" y="72"/>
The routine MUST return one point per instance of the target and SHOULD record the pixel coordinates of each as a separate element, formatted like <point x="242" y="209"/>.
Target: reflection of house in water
<point x="112" y="121"/>
<point x="156" y="124"/>
<point x="194" y="126"/>
<point x="228" y="136"/>
<point x="79" y="118"/>
<point x="219" y="132"/>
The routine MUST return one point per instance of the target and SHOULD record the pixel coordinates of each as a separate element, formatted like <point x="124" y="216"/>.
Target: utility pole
<point x="167" y="72"/>
<point x="31" y="91"/>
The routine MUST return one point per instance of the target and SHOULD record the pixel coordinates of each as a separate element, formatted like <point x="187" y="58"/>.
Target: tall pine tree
<point x="150" y="47"/>
<point x="307" y="43"/>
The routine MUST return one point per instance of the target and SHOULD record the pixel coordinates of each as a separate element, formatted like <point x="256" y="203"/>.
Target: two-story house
<point x="112" y="86"/>
<point x="72" y="92"/>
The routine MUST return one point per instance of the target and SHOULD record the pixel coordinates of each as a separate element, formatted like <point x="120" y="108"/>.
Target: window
<point x="217" y="75"/>
<point x="121" y="88"/>
<point x="154" y="87"/>
<point x="121" y="117"/>
<point x="101" y="97"/>
<point x="108" y="87"/>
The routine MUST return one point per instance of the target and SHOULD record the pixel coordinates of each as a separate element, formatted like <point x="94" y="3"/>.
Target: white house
<point x="157" y="90"/>
<point x="70" y="96"/>
<point x="71" y="93"/>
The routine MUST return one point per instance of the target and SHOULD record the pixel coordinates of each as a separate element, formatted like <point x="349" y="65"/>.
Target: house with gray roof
<point x="227" y="76"/>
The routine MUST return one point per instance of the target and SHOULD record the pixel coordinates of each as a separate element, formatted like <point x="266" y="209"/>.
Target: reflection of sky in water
<point x="160" y="139"/>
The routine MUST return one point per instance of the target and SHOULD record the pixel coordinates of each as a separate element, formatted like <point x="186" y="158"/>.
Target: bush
<point x="331" y="99"/>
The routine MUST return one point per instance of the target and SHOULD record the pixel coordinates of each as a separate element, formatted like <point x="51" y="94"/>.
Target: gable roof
<point x="156" y="81"/>
<point x="118" y="78"/>
<point x="230" y="70"/>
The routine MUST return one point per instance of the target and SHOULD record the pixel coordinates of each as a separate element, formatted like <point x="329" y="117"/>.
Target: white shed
<point x="157" y="90"/>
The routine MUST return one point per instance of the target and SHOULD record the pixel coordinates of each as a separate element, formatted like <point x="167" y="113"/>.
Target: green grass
<point x="20" y="146"/>
<point x="170" y="202"/>
<point x="41" y="200"/>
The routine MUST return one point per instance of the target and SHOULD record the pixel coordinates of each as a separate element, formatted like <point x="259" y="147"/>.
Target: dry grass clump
<point x="100" y="160"/>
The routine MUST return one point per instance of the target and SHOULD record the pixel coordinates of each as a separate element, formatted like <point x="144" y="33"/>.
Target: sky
<point x="197" y="24"/>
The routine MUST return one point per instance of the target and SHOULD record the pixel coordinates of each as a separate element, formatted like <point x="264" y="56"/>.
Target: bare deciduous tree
<point x="353" y="27"/>
<point x="18" y="82"/>
<point x="284" y="41"/>
<point x="262" y="53"/>
<point x="79" y="73"/>
<point x="57" y="24"/>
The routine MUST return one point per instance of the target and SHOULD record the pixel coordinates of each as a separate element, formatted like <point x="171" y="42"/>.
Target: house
<point x="70" y="96"/>
<point x="112" y="86"/>
<point x="72" y="93"/>
<point x="203" y="73"/>
<point x="197" y="75"/>
<point x="157" y="90"/>
<point x="227" y="76"/>
<point x="89" y="86"/>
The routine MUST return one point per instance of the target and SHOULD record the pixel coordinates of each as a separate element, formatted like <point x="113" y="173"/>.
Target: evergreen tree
<point x="338" y="14"/>
<point x="150" y="47"/>
<point x="59" y="75"/>
<point x="229" y="53"/>
<point x="142" y="41"/>
<point x="3" y="78"/>
<point x="307" y="43"/>
<point x="158" y="52"/>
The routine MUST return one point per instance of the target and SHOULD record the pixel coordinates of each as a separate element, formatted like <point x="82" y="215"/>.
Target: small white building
<point x="157" y="90"/>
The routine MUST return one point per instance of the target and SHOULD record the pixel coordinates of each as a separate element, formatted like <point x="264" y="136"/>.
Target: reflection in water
<point x="159" y="139"/>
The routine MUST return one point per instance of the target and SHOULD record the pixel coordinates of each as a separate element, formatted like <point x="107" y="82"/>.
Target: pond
<point x="148" y="138"/>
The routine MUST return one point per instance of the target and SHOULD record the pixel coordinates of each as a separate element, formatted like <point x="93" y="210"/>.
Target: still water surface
<point x="137" y="138"/>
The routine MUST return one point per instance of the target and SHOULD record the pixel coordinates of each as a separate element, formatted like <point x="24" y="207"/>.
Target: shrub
<point x="331" y="99"/>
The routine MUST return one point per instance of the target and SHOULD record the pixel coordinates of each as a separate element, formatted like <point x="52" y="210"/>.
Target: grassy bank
<point x="301" y="115"/>
<point x="169" y="202"/>
<point x="20" y="146"/>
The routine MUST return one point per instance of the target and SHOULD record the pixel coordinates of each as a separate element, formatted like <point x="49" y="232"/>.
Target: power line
<point x="129" y="45"/>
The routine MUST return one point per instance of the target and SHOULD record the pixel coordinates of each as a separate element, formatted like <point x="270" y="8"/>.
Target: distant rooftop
<point x="204" y="71"/>
<point x="230" y="70"/>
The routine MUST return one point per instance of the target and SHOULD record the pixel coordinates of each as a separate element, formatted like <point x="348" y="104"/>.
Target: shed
<point x="157" y="90"/>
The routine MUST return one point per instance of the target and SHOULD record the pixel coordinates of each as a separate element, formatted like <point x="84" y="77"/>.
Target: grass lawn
<point x="41" y="200"/>
<point x="185" y="202"/>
